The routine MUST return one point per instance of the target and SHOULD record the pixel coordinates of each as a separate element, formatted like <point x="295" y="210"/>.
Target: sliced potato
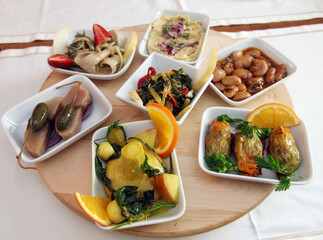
<point x="114" y="212"/>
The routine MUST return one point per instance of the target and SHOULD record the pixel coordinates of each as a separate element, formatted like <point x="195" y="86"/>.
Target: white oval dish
<point x="270" y="51"/>
<point x="90" y="75"/>
<point x="160" y="63"/>
<point x="205" y="19"/>
<point x="15" y="120"/>
<point x="299" y="133"/>
<point x="133" y="128"/>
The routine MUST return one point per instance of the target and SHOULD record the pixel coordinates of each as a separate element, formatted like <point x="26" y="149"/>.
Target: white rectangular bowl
<point x="299" y="132"/>
<point x="205" y="19"/>
<point x="15" y="120"/>
<point x="270" y="51"/>
<point x="160" y="63"/>
<point x="98" y="76"/>
<point x="132" y="129"/>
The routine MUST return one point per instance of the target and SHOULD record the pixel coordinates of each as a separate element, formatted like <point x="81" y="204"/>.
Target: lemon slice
<point x="205" y="70"/>
<point x="134" y="95"/>
<point x="60" y="41"/>
<point x="130" y="45"/>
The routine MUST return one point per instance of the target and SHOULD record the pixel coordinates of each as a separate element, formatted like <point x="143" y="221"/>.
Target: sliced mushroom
<point x="89" y="60"/>
<point x="110" y="64"/>
<point x="118" y="37"/>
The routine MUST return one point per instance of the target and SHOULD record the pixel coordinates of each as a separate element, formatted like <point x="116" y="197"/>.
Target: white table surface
<point x="28" y="209"/>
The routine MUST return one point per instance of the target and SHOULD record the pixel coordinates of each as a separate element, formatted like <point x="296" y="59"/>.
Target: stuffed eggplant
<point x="282" y="147"/>
<point x="218" y="139"/>
<point x="245" y="149"/>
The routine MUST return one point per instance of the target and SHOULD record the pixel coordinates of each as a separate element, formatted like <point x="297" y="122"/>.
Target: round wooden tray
<point x="211" y="201"/>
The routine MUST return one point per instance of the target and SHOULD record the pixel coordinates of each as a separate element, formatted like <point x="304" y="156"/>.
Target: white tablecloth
<point x="28" y="210"/>
<point x="24" y="21"/>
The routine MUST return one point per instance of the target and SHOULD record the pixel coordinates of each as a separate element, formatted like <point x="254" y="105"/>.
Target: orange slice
<point x="167" y="128"/>
<point x="273" y="115"/>
<point x="94" y="207"/>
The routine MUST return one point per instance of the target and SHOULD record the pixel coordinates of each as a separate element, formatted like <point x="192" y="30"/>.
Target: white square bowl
<point x="132" y="129"/>
<point x="270" y="51"/>
<point x="205" y="20"/>
<point x="299" y="133"/>
<point x="98" y="76"/>
<point x="160" y="63"/>
<point x="15" y="120"/>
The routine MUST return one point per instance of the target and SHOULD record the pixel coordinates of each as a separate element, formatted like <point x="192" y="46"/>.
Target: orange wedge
<point x="94" y="207"/>
<point x="273" y="115"/>
<point x="167" y="128"/>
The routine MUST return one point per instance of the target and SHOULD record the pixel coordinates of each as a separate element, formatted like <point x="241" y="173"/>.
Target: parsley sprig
<point x="220" y="163"/>
<point x="247" y="128"/>
<point x="274" y="165"/>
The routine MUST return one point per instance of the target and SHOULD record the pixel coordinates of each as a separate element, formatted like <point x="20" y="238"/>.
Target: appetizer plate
<point x="90" y="75"/>
<point x="205" y="19"/>
<point x="15" y="120"/>
<point x="299" y="132"/>
<point x="270" y="51"/>
<point x="132" y="129"/>
<point x="160" y="63"/>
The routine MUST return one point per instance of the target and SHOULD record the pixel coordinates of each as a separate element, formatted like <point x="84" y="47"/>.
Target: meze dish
<point x="249" y="68"/>
<point x="15" y="121"/>
<point x="56" y="119"/>
<point x="180" y="35"/>
<point x="176" y="36"/>
<point x="172" y="89"/>
<point x="232" y="146"/>
<point x="172" y="83"/>
<point x="98" y="53"/>
<point x="137" y="173"/>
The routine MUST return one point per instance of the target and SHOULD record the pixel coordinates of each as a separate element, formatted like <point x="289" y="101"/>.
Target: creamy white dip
<point x="176" y="36"/>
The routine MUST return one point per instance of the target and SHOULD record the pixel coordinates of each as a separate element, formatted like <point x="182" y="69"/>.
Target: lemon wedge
<point x="130" y="45"/>
<point x="134" y="95"/>
<point x="205" y="70"/>
<point x="60" y="41"/>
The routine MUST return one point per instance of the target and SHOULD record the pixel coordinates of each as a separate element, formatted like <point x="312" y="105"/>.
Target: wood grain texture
<point x="212" y="202"/>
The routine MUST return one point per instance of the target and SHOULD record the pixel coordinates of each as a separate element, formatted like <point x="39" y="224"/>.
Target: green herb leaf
<point x="284" y="183"/>
<point x="151" y="149"/>
<point x="185" y="35"/>
<point x="247" y="128"/>
<point x="149" y="170"/>
<point x="274" y="165"/>
<point x="220" y="163"/>
<point x="136" y="205"/>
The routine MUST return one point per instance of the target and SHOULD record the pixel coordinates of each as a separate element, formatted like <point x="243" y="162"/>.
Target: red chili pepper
<point x="173" y="99"/>
<point x="151" y="71"/>
<point x="185" y="90"/>
<point x="141" y="80"/>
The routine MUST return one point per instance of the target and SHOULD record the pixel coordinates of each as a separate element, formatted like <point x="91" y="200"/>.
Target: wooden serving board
<point x="212" y="202"/>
